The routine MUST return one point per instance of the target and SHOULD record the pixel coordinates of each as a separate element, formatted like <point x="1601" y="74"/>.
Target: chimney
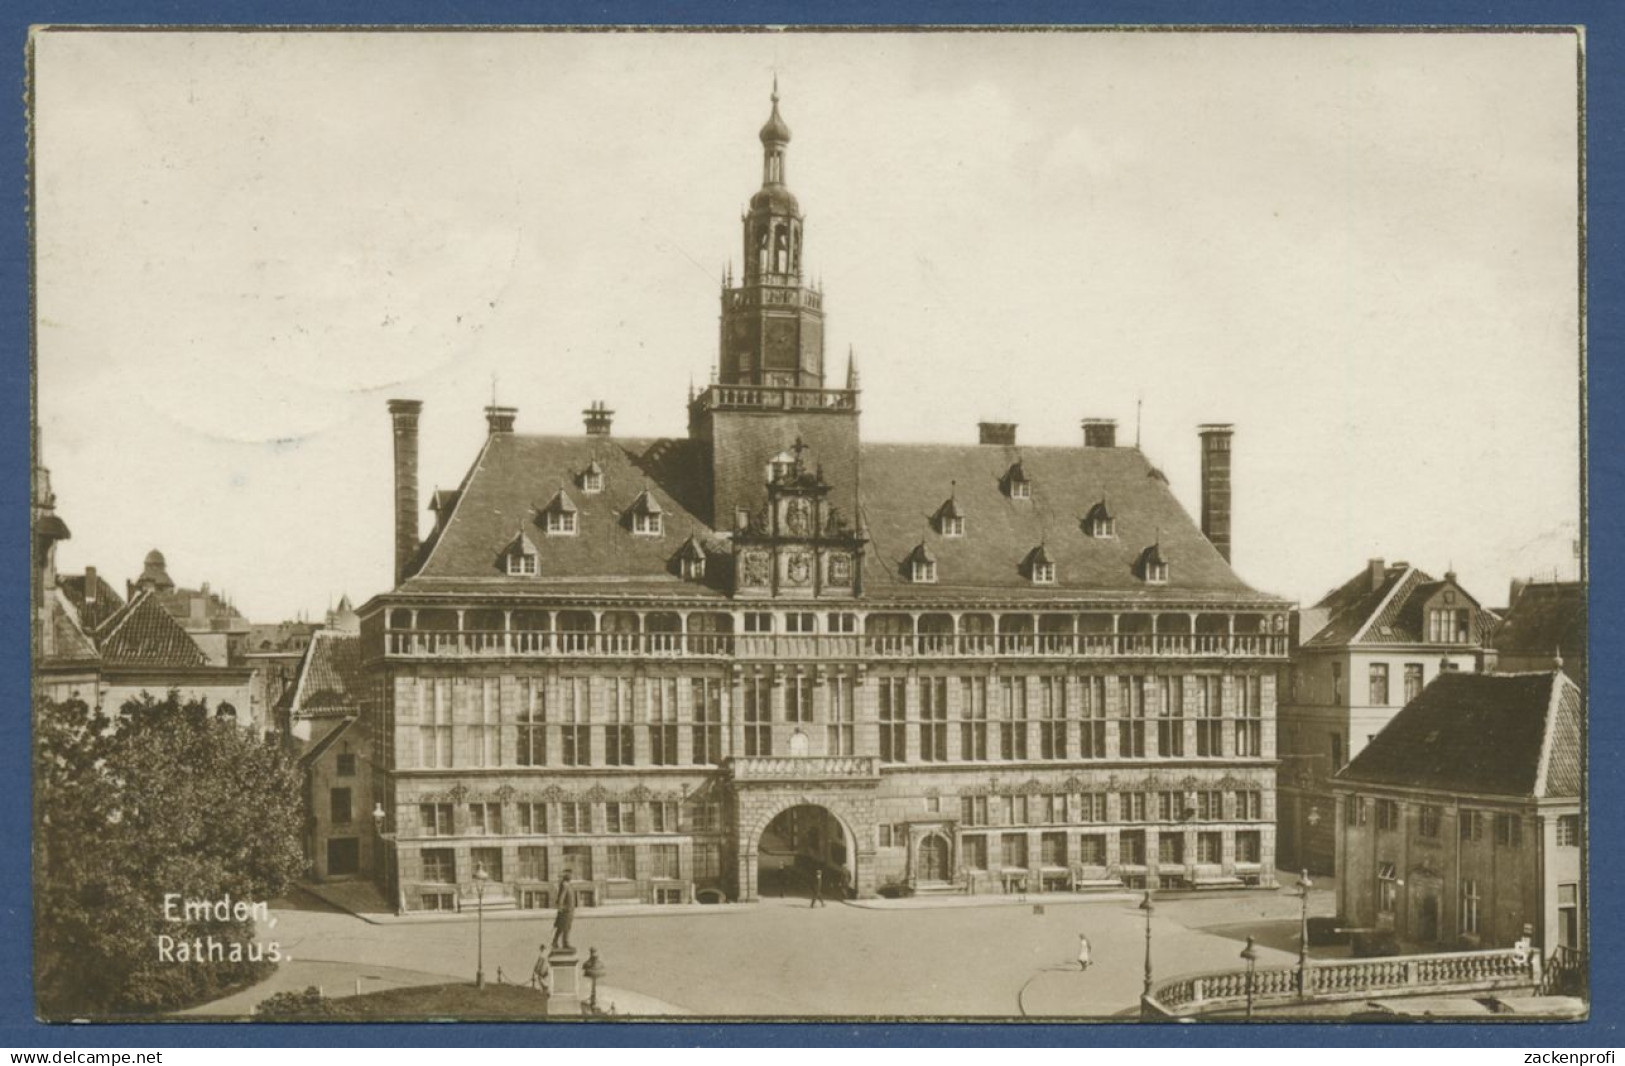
<point x="404" y="413"/>
<point x="1216" y="484"/>
<point x="1378" y="573"/>
<point x="90" y="584"/>
<point x="598" y="419"/>
<point x="1100" y="432"/>
<point x="997" y="432"/>
<point x="500" y="419"/>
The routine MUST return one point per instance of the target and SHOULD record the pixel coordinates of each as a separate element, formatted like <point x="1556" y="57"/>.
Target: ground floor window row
<point x="601" y="870"/>
<point x="602" y="720"/>
<point x="1059" y="858"/>
<point x="563" y="817"/>
<point x="1084" y="808"/>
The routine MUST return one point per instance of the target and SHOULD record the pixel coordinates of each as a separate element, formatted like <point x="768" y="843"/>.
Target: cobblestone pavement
<point x="783" y="958"/>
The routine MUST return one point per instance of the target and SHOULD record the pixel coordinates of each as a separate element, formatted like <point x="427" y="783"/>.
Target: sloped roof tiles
<point x="1513" y="735"/>
<point x="517" y="476"/>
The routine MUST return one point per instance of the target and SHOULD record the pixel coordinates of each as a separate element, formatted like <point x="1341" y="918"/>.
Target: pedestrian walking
<point x="818" y="888"/>
<point x="1085" y="953"/>
<point x="566" y="915"/>
<point x="541" y="975"/>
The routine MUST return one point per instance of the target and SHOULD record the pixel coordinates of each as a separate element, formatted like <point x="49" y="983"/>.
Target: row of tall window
<point x="596" y="720"/>
<point x="1472" y="826"/>
<point x="620" y="863"/>
<point x="569" y="818"/>
<point x="981" y="852"/>
<point x="993" y="715"/>
<point x="1084" y="808"/>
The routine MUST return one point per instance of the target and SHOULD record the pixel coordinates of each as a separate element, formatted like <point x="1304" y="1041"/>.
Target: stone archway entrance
<point x="800" y="844"/>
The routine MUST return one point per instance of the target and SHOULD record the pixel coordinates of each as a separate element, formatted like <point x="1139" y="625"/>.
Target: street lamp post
<point x="380" y="819"/>
<point x="594" y="969"/>
<point x="1148" y="907"/>
<point x="480" y="877"/>
<point x="1250" y="953"/>
<point x="1304" y="885"/>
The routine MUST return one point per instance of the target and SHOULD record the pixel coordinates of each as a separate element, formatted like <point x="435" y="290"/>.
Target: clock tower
<point x="772" y="324"/>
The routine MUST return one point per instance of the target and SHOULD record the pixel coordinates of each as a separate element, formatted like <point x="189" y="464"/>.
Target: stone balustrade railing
<point x="524" y="643"/>
<point x="1401" y="975"/>
<point x="780" y="768"/>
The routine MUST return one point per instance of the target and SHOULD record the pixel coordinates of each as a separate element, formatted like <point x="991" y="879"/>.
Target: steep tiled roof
<point x="1545" y="619"/>
<point x="69" y="641"/>
<point x="902" y="485"/>
<point x="92" y="613"/>
<point x="1493" y="734"/>
<point x="1387" y="612"/>
<point x="145" y="635"/>
<point x="516" y="476"/>
<point x="329" y="682"/>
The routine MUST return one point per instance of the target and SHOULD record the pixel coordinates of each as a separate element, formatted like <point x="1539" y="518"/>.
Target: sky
<point x="1361" y="249"/>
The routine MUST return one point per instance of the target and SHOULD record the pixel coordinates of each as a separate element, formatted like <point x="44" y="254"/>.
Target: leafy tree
<point x="166" y="801"/>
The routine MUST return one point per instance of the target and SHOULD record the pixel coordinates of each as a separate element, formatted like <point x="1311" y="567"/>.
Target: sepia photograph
<point x="1067" y="524"/>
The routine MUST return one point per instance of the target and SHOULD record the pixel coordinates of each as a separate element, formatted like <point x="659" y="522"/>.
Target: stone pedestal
<point x="567" y="973"/>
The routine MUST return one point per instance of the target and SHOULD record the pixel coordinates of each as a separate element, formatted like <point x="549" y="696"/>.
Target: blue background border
<point x="1605" y="151"/>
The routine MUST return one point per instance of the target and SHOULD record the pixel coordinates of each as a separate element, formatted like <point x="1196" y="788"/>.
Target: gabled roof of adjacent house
<point x="329" y="680"/>
<point x="308" y="757"/>
<point x="143" y="634"/>
<point x="1515" y="735"/>
<point x="70" y="643"/>
<point x="1545" y="619"/>
<point x="516" y="476"/>
<point x="1389" y="611"/>
<point x="93" y="611"/>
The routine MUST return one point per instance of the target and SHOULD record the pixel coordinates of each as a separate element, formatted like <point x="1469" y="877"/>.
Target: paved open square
<point x="782" y="958"/>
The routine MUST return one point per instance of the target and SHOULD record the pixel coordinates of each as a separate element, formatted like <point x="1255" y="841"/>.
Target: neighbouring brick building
<point x="1459" y="824"/>
<point x="1365" y="650"/>
<point x="93" y="645"/>
<point x="676" y="666"/>
<point x="323" y="710"/>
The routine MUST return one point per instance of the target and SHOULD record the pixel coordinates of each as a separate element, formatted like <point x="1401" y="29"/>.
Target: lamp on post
<point x="594" y="969"/>
<point x="1148" y="907"/>
<point x="480" y="877"/>
<point x="380" y="818"/>
<point x="1304" y="885"/>
<point x="1250" y="953"/>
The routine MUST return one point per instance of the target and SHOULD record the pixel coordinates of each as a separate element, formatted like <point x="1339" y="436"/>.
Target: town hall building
<point x="699" y="668"/>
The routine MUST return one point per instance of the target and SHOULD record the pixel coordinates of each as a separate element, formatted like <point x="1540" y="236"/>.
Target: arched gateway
<point x="785" y="839"/>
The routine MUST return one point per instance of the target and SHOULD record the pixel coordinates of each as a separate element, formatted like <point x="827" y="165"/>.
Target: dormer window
<point x="592" y="479"/>
<point x="1099" y="523"/>
<point x="953" y="527"/>
<point x="1152" y="567"/>
<point x="1040" y="567"/>
<point x="1016" y="484"/>
<point x="646" y="515"/>
<point x="950" y="519"/>
<point x="559" y="516"/>
<point x="520" y="558"/>
<point x="922" y="566"/>
<point x="691" y="560"/>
